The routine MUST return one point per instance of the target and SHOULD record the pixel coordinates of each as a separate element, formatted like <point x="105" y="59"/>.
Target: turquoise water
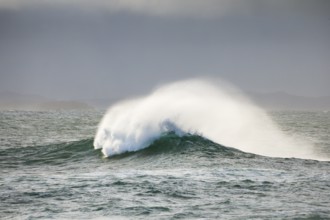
<point x="50" y="170"/>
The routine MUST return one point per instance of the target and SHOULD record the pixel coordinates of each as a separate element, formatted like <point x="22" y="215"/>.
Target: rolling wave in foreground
<point x="174" y="154"/>
<point x="169" y="145"/>
<point x="215" y="111"/>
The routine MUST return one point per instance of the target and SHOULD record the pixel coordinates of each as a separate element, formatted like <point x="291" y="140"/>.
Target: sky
<point x="100" y="49"/>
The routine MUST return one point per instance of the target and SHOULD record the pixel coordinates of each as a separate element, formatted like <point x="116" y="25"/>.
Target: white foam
<point x="217" y="111"/>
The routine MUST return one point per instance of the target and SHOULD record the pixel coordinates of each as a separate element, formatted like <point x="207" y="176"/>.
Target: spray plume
<point x="216" y="111"/>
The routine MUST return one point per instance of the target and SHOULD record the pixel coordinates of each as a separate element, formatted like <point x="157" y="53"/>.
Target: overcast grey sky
<point x="103" y="49"/>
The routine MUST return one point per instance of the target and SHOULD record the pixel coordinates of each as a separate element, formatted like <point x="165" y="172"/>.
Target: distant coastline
<point x="285" y="101"/>
<point x="269" y="101"/>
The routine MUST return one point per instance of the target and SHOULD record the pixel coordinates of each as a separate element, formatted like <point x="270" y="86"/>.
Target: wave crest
<point x="117" y="138"/>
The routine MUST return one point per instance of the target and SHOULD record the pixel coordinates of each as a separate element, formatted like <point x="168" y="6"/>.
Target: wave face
<point x="170" y="145"/>
<point x="216" y="111"/>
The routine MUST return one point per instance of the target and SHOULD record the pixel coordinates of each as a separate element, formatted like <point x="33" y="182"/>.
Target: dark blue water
<point x="50" y="170"/>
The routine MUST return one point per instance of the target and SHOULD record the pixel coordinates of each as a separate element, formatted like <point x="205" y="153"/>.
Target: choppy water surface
<point x="50" y="170"/>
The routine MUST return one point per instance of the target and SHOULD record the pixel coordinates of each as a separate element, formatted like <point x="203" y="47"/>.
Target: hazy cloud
<point x="199" y="8"/>
<point x="152" y="7"/>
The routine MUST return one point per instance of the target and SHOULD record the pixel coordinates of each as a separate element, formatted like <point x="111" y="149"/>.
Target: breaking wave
<point x="214" y="110"/>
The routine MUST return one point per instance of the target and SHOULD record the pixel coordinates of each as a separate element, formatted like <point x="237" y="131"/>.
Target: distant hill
<point x="16" y="101"/>
<point x="284" y="101"/>
<point x="269" y="101"/>
<point x="101" y="103"/>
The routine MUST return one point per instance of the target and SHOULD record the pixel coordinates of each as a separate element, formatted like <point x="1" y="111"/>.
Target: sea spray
<point x="215" y="110"/>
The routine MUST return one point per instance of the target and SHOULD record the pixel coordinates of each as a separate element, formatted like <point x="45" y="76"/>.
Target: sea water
<point x="50" y="169"/>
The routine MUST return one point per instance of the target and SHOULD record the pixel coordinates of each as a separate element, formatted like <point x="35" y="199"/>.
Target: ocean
<point x="74" y="165"/>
